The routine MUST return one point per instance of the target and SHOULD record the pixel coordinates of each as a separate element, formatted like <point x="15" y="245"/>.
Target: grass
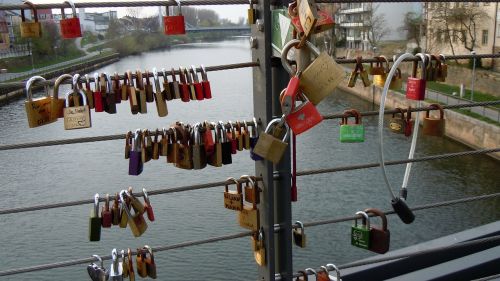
<point x="21" y="64"/>
<point x="449" y="89"/>
<point x="469" y="113"/>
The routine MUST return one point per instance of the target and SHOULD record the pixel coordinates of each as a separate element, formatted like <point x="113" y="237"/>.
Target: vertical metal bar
<point x="262" y="103"/>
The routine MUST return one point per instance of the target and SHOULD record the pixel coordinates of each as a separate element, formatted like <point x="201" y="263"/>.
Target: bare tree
<point x="134" y="15"/>
<point x="411" y="25"/>
<point x="376" y="26"/>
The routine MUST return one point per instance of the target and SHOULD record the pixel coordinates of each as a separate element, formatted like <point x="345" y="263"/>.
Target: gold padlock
<point x="136" y="222"/>
<point x="249" y="217"/>
<point x="30" y="29"/>
<point x="260" y="252"/>
<point x="37" y="110"/>
<point x="77" y="117"/>
<point x="268" y="146"/>
<point x="397" y="81"/>
<point x="251" y="189"/>
<point x="233" y="200"/>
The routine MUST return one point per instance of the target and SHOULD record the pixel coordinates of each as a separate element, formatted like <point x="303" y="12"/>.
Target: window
<point x="485" y="37"/>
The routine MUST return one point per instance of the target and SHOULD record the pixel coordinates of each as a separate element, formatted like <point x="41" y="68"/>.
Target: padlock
<point x="215" y="159"/>
<point x="442" y="70"/>
<point x="360" y="235"/>
<point x="128" y="144"/>
<point x="132" y="94"/>
<point x="303" y="277"/>
<point x="252" y="14"/>
<point x="260" y="253"/>
<point x="116" y="270"/>
<point x="150" y="262"/>
<point x="398" y="123"/>
<point x="147" y="206"/>
<point x="174" y="25"/>
<point x="397" y="81"/>
<point x="253" y="139"/>
<point x="226" y="145"/>
<point x="207" y="92"/>
<point x="77" y="117"/>
<point x="95" y="221"/>
<point x="56" y="103"/>
<point x="75" y="99"/>
<point x="131" y="273"/>
<point x="164" y="142"/>
<point x="97" y="272"/>
<point x="231" y="136"/>
<point x="30" y="29"/>
<point x="308" y="16"/>
<point x="233" y="200"/>
<point x="208" y="139"/>
<point x="167" y="90"/>
<point x="125" y="270"/>
<point x="37" y="110"/>
<point x="325" y="21"/>
<point x="415" y="87"/>
<point x="161" y="104"/>
<point x="380" y="237"/>
<point x="136" y="222"/>
<point x="156" y="146"/>
<point x="88" y="92"/>
<point x="185" y="152"/>
<point x="110" y="98"/>
<point x="381" y="70"/>
<point x="199" y="152"/>
<point x="134" y="202"/>
<point x="183" y="85"/>
<point x="289" y="94"/>
<point x="270" y="147"/>
<point x="123" y="214"/>
<point x="248" y="217"/>
<point x="190" y="83"/>
<point x="362" y="72"/>
<point x="352" y="132"/>
<point x="98" y="100"/>
<point x="246" y="136"/>
<point x="148" y="88"/>
<point x="173" y="147"/>
<point x="140" y="259"/>
<point x="117" y="88"/>
<point x="198" y="88"/>
<point x="303" y="117"/>
<point x="146" y="146"/>
<point x="353" y="77"/>
<point x="320" y="78"/>
<point x="70" y="28"/>
<point x="239" y="135"/>
<point x="431" y="69"/>
<point x="378" y="68"/>
<point x="409" y="123"/>
<point x="252" y="190"/>
<point x="174" y="86"/>
<point x="434" y="126"/>
<point x="299" y="236"/>
<point x="106" y="216"/>
<point x="141" y="92"/>
<point x="324" y="275"/>
<point x="135" y="161"/>
<point x="115" y="211"/>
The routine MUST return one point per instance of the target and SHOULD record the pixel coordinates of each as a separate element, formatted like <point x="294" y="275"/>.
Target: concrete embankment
<point x="462" y="128"/>
<point x="9" y="93"/>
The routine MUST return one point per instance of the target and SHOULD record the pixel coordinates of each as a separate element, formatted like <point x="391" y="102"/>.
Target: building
<point x="446" y="32"/>
<point x="92" y="22"/>
<point x="355" y="20"/>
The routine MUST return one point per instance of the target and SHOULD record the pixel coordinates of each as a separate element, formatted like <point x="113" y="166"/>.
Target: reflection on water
<point x="72" y="172"/>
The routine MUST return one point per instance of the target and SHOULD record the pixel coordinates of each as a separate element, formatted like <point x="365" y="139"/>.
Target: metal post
<point x="473" y="75"/>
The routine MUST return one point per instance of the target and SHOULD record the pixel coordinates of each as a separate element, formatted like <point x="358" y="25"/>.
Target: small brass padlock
<point x="136" y="222"/>
<point x="249" y="217"/>
<point x="233" y="200"/>
<point x="398" y="123"/>
<point x="77" y="117"/>
<point x="434" y="126"/>
<point x="56" y="103"/>
<point x="268" y="146"/>
<point x="30" y="29"/>
<point x="260" y="252"/>
<point x="252" y="190"/>
<point x="299" y="236"/>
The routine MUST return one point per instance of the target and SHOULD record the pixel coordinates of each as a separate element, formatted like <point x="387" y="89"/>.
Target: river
<point x="72" y="172"/>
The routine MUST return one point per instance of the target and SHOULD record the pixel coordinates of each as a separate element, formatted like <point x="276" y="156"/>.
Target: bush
<point x="479" y="63"/>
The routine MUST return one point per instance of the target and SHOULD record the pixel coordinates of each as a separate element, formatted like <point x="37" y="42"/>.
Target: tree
<point x="412" y="24"/>
<point x="375" y="26"/>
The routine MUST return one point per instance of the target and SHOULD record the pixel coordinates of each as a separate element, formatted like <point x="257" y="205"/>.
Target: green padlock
<point x="352" y="132"/>
<point x="360" y="235"/>
<point x="95" y="221"/>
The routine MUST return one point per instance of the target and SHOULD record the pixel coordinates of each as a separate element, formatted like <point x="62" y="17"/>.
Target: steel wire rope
<point x="490" y="239"/>
<point x="229" y="237"/>
<point x="150" y="75"/>
<point x="152" y="132"/>
<point x="222" y="183"/>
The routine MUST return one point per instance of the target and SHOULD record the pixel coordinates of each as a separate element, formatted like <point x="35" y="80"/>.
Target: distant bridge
<point x="191" y="28"/>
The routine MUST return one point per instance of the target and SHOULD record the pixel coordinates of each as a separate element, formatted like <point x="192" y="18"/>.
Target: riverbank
<point x="472" y="132"/>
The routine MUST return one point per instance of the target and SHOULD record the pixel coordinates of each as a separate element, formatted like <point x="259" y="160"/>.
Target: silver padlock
<point x="116" y="270"/>
<point x="97" y="272"/>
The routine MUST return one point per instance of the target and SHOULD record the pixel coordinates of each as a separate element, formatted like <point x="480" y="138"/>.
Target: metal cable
<point x="397" y="162"/>
<point x="108" y="257"/>
<point x="229" y="237"/>
<point x="496" y="276"/>
<point x="150" y="74"/>
<point x="495" y="238"/>
<point x="152" y="132"/>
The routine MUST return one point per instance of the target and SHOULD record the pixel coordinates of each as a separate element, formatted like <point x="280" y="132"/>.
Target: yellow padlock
<point x="30" y="29"/>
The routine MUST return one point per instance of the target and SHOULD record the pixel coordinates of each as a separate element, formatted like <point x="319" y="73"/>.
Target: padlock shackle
<point x="124" y="204"/>
<point x="72" y="5"/>
<point x="182" y="77"/>
<point x="193" y="73"/>
<point x="58" y="81"/>
<point x="29" y="83"/>
<point x="272" y="123"/>
<point x="408" y="114"/>
<point x="365" y="217"/>
<point x="150" y="251"/>
<point x="359" y="65"/>
<point x="300" y="225"/>
<point x="136" y="142"/>
<point x="254" y="128"/>
<point x="311" y="271"/>
<point x="96" y="204"/>
<point x="138" y="79"/>
<point x="334" y="267"/>
<point x="79" y="92"/>
<point x="380" y="214"/>
<point x="436" y="107"/>
<point x="96" y="82"/>
<point x="400" y="111"/>
<point x="33" y="10"/>
<point x="286" y="49"/>
<point x="172" y="72"/>
<point x="145" y="195"/>
<point x="146" y="74"/>
<point x="107" y="78"/>
<point x="204" y="76"/>
<point x="99" y="259"/>
<point x="304" y="275"/>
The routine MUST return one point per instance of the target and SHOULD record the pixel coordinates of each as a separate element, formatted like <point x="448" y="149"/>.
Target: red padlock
<point x="415" y="87"/>
<point x="106" y="215"/>
<point x="408" y="123"/>
<point x="117" y="88"/>
<point x="231" y="136"/>
<point x="198" y="88"/>
<point x="184" y="87"/>
<point x="303" y="117"/>
<point x="147" y="206"/>
<point x="207" y="92"/>
<point x="174" y="25"/>
<point x="98" y="103"/>
<point x="70" y="28"/>
<point x="289" y="94"/>
<point x="208" y="139"/>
